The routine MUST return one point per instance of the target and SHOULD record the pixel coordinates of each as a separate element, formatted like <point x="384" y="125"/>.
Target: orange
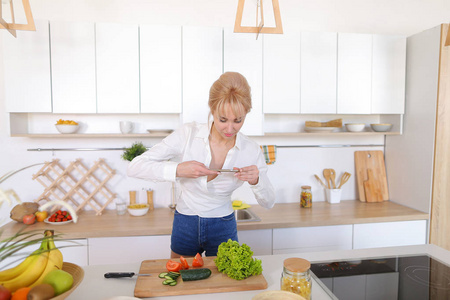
<point x="21" y="294"/>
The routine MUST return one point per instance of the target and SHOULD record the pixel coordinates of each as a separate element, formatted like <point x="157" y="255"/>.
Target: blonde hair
<point x="231" y="88"/>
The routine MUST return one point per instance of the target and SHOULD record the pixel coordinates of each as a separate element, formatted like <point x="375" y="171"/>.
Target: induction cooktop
<point x="418" y="277"/>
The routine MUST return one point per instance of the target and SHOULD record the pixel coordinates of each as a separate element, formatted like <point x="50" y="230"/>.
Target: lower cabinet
<point x="309" y="239"/>
<point x="260" y="241"/>
<point x="74" y="251"/>
<point x="122" y="250"/>
<point x="389" y="234"/>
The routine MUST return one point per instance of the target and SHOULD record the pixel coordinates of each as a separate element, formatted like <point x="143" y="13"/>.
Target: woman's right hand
<point x="193" y="169"/>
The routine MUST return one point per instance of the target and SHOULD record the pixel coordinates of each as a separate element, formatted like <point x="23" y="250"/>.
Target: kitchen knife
<point x="123" y="274"/>
<point x="225" y="170"/>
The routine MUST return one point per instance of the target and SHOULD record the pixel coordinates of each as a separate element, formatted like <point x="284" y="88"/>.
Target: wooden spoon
<point x="320" y="180"/>
<point x="344" y="179"/>
<point x="327" y="175"/>
<point x="333" y="177"/>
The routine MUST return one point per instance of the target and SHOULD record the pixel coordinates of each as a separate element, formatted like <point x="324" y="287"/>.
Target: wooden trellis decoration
<point x="76" y="184"/>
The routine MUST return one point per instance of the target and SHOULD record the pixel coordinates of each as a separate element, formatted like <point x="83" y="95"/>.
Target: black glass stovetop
<point x="392" y="278"/>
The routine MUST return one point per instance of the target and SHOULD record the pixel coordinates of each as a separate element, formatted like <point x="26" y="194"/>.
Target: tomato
<point x="198" y="261"/>
<point x="184" y="263"/>
<point x="173" y="266"/>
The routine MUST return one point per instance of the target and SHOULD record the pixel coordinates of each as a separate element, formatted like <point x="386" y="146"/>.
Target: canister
<point x="306" y="196"/>
<point x="296" y="277"/>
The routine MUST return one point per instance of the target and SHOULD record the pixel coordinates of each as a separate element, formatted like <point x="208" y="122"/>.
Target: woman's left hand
<point x="249" y="174"/>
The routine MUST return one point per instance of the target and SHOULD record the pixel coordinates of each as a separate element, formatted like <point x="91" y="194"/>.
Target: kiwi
<point x="41" y="291"/>
<point x="23" y="209"/>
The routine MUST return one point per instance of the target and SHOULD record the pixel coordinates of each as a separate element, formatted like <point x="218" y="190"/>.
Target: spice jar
<point x="296" y="277"/>
<point x="306" y="196"/>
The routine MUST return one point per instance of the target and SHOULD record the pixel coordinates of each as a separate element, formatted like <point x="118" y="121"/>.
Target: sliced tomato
<point x="198" y="261"/>
<point x="184" y="263"/>
<point x="173" y="266"/>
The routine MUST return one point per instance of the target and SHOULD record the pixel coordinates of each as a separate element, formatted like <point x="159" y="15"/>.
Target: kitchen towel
<point x="270" y="153"/>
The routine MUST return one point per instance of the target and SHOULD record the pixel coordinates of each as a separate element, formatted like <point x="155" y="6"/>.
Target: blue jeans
<point x="194" y="234"/>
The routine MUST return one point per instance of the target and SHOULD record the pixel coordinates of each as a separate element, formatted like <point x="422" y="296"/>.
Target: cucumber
<point x="163" y="274"/>
<point x="168" y="281"/>
<point x="195" y="274"/>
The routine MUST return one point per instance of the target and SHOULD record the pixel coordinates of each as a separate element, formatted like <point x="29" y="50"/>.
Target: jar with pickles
<point x="296" y="277"/>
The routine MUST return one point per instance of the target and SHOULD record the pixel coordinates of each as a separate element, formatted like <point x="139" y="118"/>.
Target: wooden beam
<point x="249" y="29"/>
<point x="12" y="27"/>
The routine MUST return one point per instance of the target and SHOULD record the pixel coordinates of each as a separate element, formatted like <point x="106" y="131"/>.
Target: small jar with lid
<point x="306" y="196"/>
<point x="296" y="277"/>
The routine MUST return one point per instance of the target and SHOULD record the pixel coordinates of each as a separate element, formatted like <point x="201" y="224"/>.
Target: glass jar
<point x="306" y="196"/>
<point x="296" y="277"/>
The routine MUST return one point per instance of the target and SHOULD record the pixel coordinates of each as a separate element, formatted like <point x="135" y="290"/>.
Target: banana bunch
<point x="35" y="267"/>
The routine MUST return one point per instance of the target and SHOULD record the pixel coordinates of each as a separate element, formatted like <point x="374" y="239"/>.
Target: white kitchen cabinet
<point x="123" y="250"/>
<point x="318" y="72"/>
<point x="117" y="68"/>
<point x="244" y="55"/>
<point x="74" y="251"/>
<point x="389" y="234"/>
<point x="160" y="68"/>
<point x="27" y="70"/>
<point x="73" y="67"/>
<point x="388" y="74"/>
<point x="354" y="75"/>
<point x="307" y="239"/>
<point x="260" y="241"/>
<point x="202" y="65"/>
<point x="281" y="80"/>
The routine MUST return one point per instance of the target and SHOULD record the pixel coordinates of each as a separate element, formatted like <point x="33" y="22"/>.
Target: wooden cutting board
<point x="151" y="286"/>
<point x="374" y="160"/>
<point x="372" y="188"/>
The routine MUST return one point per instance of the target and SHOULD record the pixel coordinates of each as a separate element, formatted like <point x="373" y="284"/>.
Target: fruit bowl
<point x="66" y="128"/>
<point x="138" y="210"/>
<point x="77" y="273"/>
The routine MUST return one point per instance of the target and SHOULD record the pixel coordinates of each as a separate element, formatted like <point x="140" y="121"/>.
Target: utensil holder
<point x="150" y="199"/>
<point x="333" y="195"/>
<point x="132" y="197"/>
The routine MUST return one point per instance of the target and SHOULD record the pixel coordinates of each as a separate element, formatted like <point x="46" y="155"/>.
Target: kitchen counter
<point x="95" y="286"/>
<point x="282" y="215"/>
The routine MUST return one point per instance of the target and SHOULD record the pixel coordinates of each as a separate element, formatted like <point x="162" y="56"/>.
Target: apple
<point x="5" y="294"/>
<point x="29" y="219"/>
<point x="60" y="280"/>
<point x="41" y="215"/>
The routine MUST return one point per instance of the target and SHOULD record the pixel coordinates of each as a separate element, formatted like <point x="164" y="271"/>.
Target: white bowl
<point x="67" y="128"/>
<point x="381" y="127"/>
<point x="355" y="127"/>
<point x="137" y="212"/>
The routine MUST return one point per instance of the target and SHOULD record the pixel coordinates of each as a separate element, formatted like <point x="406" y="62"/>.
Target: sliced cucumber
<point x="168" y="281"/>
<point x="173" y="283"/>
<point x="163" y="274"/>
<point x="195" y="274"/>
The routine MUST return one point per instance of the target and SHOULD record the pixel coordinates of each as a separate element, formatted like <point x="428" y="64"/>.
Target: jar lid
<point x="306" y="187"/>
<point x="295" y="264"/>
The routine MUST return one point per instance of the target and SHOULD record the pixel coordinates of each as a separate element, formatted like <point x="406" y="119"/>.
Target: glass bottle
<point x="296" y="277"/>
<point x="306" y="196"/>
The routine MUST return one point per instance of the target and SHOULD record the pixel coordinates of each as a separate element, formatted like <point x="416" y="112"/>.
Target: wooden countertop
<point x="283" y="215"/>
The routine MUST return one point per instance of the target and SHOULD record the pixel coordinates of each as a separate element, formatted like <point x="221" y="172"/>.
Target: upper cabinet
<point x="27" y="70"/>
<point x="388" y="74"/>
<point x="243" y="53"/>
<point x="73" y="67"/>
<point x="281" y="79"/>
<point x="117" y="68"/>
<point x="160" y="68"/>
<point x="202" y="65"/>
<point x="318" y="72"/>
<point x="354" y="75"/>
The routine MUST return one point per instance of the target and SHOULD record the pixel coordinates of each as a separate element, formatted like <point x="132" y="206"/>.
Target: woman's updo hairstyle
<point x="231" y="88"/>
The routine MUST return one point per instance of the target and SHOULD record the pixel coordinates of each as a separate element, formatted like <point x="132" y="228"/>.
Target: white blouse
<point x="196" y="196"/>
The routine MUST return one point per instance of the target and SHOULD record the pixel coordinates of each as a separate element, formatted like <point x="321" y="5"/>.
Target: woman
<point x="191" y="156"/>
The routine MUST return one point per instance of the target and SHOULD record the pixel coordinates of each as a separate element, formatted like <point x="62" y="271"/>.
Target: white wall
<point x="295" y="166"/>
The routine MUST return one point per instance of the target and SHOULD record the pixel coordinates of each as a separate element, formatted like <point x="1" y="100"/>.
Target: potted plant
<point x="136" y="149"/>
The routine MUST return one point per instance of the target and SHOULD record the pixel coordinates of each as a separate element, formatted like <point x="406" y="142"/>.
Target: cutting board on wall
<point x="374" y="161"/>
<point x="151" y="286"/>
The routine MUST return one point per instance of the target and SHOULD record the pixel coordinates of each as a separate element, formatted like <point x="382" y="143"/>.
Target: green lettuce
<point x="236" y="261"/>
